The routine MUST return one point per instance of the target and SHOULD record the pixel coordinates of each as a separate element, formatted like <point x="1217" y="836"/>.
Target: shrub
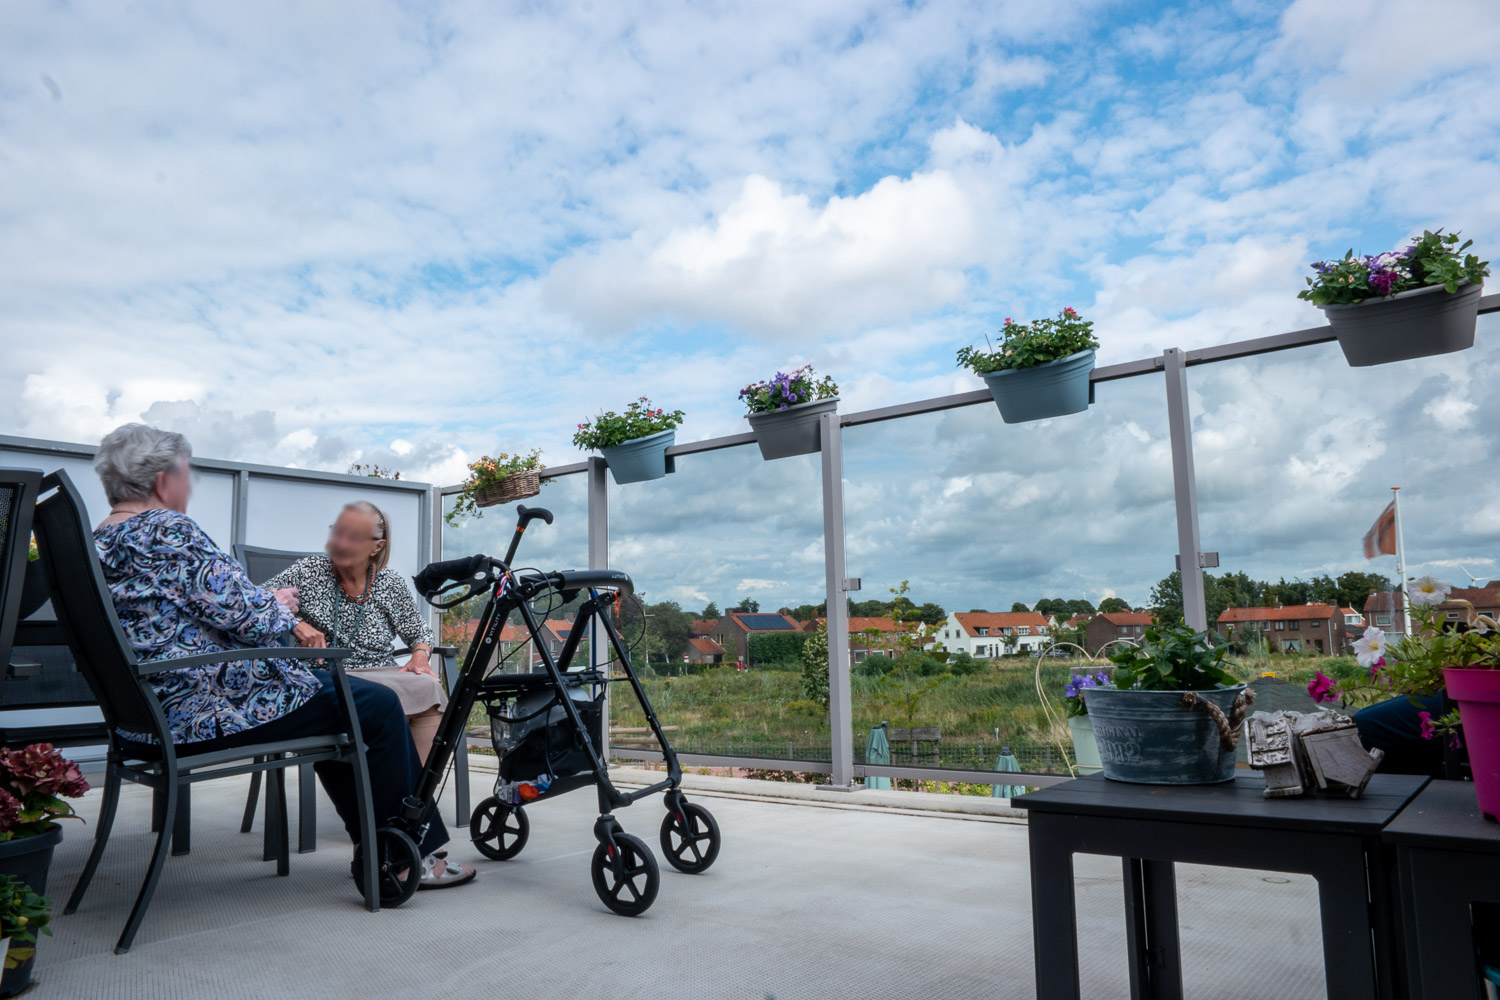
<point x="1026" y="345"/>
<point x="774" y="647"/>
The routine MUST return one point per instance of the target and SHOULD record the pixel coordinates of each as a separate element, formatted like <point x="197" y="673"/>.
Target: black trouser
<point x="389" y="752"/>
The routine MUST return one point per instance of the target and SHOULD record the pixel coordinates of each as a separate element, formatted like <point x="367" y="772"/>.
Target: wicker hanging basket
<point x="517" y="486"/>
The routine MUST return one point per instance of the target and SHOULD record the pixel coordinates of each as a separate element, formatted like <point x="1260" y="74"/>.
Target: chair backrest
<point x="18" y="490"/>
<point x="87" y="613"/>
<point x="262" y="563"/>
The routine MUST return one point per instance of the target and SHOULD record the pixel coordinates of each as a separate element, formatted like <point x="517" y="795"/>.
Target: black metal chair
<point x="121" y="683"/>
<point x="18" y="490"/>
<point x="261" y="564"/>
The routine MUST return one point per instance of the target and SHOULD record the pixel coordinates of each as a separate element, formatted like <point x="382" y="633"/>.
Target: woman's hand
<point x="418" y="664"/>
<point x="309" y="636"/>
<point x="287" y="598"/>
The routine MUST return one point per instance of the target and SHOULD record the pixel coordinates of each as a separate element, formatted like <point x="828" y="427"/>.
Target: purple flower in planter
<point x="1382" y="281"/>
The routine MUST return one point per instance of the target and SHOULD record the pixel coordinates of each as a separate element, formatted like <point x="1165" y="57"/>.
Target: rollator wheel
<point x="690" y="842"/>
<point x="398" y="866"/>
<point x="632" y="893"/>
<point x="499" y="831"/>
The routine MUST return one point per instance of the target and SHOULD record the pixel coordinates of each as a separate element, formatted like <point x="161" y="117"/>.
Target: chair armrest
<point x="150" y="667"/>
<point x="436" y="651"/>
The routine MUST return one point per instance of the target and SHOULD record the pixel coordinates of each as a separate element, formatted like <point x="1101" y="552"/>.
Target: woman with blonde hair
<point x="349" y="597"/>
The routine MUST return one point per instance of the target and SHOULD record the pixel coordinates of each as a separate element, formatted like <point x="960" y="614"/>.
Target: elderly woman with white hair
<point x="178" y="594"/>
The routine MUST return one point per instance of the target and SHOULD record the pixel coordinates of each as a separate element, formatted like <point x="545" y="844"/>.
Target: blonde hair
<point x="382" y="531"/>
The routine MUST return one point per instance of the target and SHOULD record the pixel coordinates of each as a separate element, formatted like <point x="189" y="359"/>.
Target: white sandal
<point x="439" y="873"/>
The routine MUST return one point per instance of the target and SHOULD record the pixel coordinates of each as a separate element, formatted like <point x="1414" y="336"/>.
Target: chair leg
<point x="248" y="820"/>
<point x="182" y="831"/>
<point x="275" y="810"/>
<point x="365" y="800"/>
<point x="101" y="836"/>
<point x="307" y="810"/>
<point x="158" y="863"/>
<point x="277" y="839"/>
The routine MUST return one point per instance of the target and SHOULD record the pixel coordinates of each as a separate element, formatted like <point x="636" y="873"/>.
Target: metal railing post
<point x="1185" y="489"/>
<point x="598" y="504"/>
<point x="840" y="706"/>
<point x="239" y="509"/>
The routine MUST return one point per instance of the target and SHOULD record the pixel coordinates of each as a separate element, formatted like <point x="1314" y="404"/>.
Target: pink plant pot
<point x="1477" y="692"/>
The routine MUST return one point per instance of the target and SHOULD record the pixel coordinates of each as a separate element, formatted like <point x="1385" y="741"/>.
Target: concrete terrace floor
<point x="815" y="897"/>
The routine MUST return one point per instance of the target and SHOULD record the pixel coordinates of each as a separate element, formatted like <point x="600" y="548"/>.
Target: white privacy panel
<point x="288" y="514"/>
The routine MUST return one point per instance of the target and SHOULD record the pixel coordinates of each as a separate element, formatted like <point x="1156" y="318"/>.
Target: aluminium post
<point x="239" y="509"/>
<point x="1185" y="489"/>
<point x="840" y="707"/>
<point x="598" y="508"/>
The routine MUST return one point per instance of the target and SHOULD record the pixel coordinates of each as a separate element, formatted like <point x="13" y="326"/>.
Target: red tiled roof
<point x="558" y="627"/>
<point x="1290" y="612"/>
<point x="1127" y="617"/>
<point x="704" y="626"/>
<point x="1480" y="597"/>
<point x="706" y="646"/>
<point x="865" y="624"/>
<point x="992" y="620"/>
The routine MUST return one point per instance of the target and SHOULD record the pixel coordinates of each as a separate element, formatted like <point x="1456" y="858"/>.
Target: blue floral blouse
<point x="177" y="594"/>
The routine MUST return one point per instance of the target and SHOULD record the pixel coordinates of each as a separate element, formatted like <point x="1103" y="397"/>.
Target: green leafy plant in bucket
<point x="610" y="428"/>
<point x="1173" y="658"/>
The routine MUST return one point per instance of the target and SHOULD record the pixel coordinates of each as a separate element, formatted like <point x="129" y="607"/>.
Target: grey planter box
<point x="792" y="431"/>
<point x="1147" y="738"/>
<point x="1415" y="324"/>
<point x="1054" y="389"/>
<point x="642" y="459"/>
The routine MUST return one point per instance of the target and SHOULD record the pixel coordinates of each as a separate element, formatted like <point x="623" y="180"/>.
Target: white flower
<point x="1428" y="590"/>
<point x="1370" y="647"/>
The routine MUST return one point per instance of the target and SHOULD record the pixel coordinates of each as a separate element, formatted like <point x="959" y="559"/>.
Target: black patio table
<point x="1151" y="827"/>
<point x="1448" y="857"/>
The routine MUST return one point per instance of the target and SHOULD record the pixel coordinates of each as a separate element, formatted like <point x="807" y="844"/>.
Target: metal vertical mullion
<point x="840" y="708"/>
<point x="598" y="507"/>
<point x="430" y="548"/>
<point x="239" y="509"/>
<point x="1185" y="489"/>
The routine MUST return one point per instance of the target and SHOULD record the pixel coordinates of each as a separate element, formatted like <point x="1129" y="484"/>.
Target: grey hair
<point x="131" y="456"/>
<point x="382" y="531"/>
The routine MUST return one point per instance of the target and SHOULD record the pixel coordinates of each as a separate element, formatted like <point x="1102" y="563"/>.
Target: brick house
<point x="1384" y="610"/>
<point x="1295" y="628"/>
<point x="1108" y="626"/>
<point x="983" y="634"/>
<point x="702" y="649"/>
<point x="860" y="645"/>
<point x="733" y="631"/>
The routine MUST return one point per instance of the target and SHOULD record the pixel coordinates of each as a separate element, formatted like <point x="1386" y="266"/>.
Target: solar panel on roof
<point x="766" y="623"/>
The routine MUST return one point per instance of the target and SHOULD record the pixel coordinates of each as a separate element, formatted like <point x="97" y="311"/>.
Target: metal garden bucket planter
<point x="1414" y="324"/>
<point x="642" y="459"/>
<point x="1053" y="389"/>
<point x="792" y="431"/>
<point x="28" y="859"/>
<point x="1167" y="737"/>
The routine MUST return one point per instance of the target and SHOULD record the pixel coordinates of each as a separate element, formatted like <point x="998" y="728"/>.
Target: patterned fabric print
<point x="176" y="594"/>
<point x="390" y="611"/>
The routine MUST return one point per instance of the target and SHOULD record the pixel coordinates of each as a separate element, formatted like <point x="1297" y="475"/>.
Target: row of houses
<point x="1316" y="628"/>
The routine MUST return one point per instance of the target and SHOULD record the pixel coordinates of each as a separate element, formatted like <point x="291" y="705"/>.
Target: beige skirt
<point x="418" y="692"/>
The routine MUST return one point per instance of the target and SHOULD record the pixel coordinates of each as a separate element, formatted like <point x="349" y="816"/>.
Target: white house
<point x="985" y="634"/>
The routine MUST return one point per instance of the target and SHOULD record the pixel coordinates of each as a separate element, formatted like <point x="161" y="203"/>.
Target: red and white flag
<point x="1381" y="538"/>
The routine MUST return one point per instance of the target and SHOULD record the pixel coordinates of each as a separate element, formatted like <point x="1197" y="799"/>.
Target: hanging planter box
<point x="1418" y="323"/>
<point x="520" y="486"/>
<point x="1151" y="738"/>
<point x="1477" y="692"/>
<point x="642" y="459"/>
<point x="795" y="430"/>
<point x="1053" y="389"/>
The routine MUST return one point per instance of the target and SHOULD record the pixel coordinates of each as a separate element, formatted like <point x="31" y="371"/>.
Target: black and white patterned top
<point x="389" y="613"/>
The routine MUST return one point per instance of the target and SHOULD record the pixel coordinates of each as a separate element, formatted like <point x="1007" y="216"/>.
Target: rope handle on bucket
<point x="1229" y="729"/>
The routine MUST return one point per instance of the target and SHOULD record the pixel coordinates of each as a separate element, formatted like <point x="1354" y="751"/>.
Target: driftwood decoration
<point x="1299" y="749"/>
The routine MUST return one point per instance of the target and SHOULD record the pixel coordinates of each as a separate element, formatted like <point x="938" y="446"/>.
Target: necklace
<point x="338" y="603"/>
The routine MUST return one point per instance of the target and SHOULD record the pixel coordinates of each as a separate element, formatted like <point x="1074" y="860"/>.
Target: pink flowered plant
<point x="33" y="783"/>
<point x="1321" y="687"/>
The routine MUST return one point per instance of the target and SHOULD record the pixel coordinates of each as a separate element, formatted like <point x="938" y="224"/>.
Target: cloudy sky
<point x="314" y="233"/>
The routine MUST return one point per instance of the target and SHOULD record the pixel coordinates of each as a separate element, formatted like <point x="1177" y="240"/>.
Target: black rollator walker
<point x="545" y="728"/>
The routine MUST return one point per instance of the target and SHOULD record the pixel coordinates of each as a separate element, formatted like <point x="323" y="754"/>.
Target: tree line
<point x="1238" y="590"/>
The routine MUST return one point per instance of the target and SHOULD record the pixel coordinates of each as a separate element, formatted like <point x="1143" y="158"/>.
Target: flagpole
<point x="1401" y="563"/>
